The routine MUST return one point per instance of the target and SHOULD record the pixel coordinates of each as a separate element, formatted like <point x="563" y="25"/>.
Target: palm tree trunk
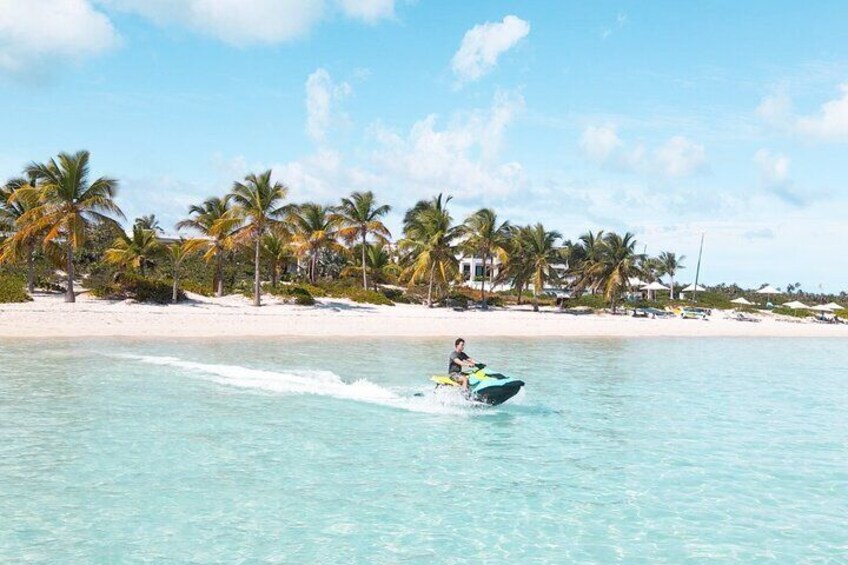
<point x="483" y="283"/>
<point x="535" y="299"/>
<point x="31" y="268"/>
<point x="313" y="265"/>
<point x="257" y="300"/>
<point x="364" y="275"/>
<point x="176" y="293"/>
<point x="274" y="273"/>
<point x="430" y="287"/>
<point x="671" y="296"/>
<point x="69" y="269"/>
<point x="218" y="283"/>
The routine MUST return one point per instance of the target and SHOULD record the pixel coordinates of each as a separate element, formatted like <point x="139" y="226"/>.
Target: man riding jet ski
<point x="479" y="383"/>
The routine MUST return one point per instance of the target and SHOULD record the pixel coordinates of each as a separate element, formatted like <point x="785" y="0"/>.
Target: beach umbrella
<point x="835" y="306"/>
<point x="654" y="286"/>
<point x="768" y="289"/>
<point x="741" y="300"/>
<point x="821" y="308"/>
<point x="795" y="305"/>
<point x="635" y="282"/>
<point x="693" y="288"/>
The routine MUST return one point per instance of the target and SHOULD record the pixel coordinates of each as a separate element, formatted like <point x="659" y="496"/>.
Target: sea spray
<point x="316" y="382"/>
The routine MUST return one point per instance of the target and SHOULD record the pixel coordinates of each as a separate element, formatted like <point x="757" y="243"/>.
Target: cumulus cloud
<point x="680" y="157"/>
<point x="238" y="22"/>
<point x="832" y="120"/>
<point x="35" y="32"/>
<point x="321" y="93"/>
<point x="483" y="44"/>
<point x="677" y="157"/>
<point x="830" y="123"/>
<point x="773" y="167"/>
<point x="368" y="10"/>
<point x="599" y="142"/>
<point x="251" y="22"/>
<point x="461" y="158"/>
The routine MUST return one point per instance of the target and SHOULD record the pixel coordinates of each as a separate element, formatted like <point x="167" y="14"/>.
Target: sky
<point x="667" y="119"/>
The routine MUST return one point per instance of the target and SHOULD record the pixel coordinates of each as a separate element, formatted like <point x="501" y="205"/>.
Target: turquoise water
<point x="722" y="450"/>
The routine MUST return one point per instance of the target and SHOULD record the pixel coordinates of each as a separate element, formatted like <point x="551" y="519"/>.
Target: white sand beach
<point x="233" y="316"/>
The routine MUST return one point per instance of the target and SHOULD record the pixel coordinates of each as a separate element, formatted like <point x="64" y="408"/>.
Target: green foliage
<point x="464" y="293"/>
<point x="792" y="312"/>
<point x="202" y="288"/>
<point x="12" y="289"/>
<point x="710" y="299"/>
<point x="595" y="301"/>
<point x="297" y="293"/>
<point x="363" y="296"/>
<point x="132" y="287"/>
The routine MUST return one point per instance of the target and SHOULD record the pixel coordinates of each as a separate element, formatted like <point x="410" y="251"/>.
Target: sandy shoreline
<point x="232" y="316"/>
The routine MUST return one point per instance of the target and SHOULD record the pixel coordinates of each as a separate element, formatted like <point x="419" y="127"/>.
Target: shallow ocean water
<point x="317" y="451"/>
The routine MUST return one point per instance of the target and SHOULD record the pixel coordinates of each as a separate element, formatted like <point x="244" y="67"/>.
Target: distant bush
<point x="595" y="301"/>
<point x="296" y="293"/>
<point x="12" y="289"/>
<point x="792" y="312"/>
<point x="128" y="286"/>
<point x="195" y="287"/>
<point x="709" y="299"/>
<point x="363" y="296"/>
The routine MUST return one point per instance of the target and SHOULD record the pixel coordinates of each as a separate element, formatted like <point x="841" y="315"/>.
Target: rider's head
<point x="459" y="344"/>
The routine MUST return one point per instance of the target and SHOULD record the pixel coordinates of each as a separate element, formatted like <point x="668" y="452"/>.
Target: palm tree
<point x="259" y="203"/>
<point x="276" y="249"/>
<point x="379" y="262"/>
<point x="150" y="222"/>
<point x="215" y="220"/>
<point x="359" y="217"/>
<point x="620" y="262"/>
<point x="135" y="251"/>
<point x="430" y="240"/>
<point x="177" y="252"/>
<point x="485" y="237"/>
<point x="670" y="263"/>
<point x="13" y="205"/>
<point x="542" y="254"/>
<point x="68" y="206"/>
<point x="314" y="229"/>
<point x="585" y="260"/>
<point x="516" y="268"/>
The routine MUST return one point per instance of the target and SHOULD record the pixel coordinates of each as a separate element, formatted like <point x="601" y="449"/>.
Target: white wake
<point x="320" y="383"/>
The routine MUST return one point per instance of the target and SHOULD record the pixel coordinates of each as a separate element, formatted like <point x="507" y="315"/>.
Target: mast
<point x="698" y="270"/>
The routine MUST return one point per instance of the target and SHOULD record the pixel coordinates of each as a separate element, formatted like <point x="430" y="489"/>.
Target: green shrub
<point x="708" y="299"/>
<point x="203" y="289"/>
<point x="595" y="301"/>
<point x="792" y="312"/>
<point x="362" y="296"/>
<point x="133" y="287"/>
<point x="12" y="289"/>
<point x="298" y="293"/>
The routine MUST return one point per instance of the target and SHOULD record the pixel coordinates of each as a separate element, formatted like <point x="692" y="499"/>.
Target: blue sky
<point x="665" y="119"/>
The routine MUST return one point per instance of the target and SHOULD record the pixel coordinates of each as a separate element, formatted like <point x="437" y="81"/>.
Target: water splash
<point x="319" y="383"/>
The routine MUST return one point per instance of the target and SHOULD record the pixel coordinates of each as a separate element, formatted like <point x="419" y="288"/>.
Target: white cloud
<point x="774" y="167"/>
<point x="368" y="10"/>
<point x="677" y="157"/>
<point x="238" y="22"/>
<point x="831" y="121"/>
<point x="829" y="124"/>
<point x="599" y="142"/>
<point x="461" y="158"/>
<point x="680" y="157"/>
<point x="321" y="93"/>
<point x="483" y="44"/>
<point x="775" y="109"/>
<point x="33" y="32"/>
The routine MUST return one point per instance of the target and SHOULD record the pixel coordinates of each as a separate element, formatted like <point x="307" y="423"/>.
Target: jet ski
<point x="484" y="385"/>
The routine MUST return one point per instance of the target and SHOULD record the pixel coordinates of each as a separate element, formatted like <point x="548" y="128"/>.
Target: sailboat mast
<point x="698" y="270"/>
